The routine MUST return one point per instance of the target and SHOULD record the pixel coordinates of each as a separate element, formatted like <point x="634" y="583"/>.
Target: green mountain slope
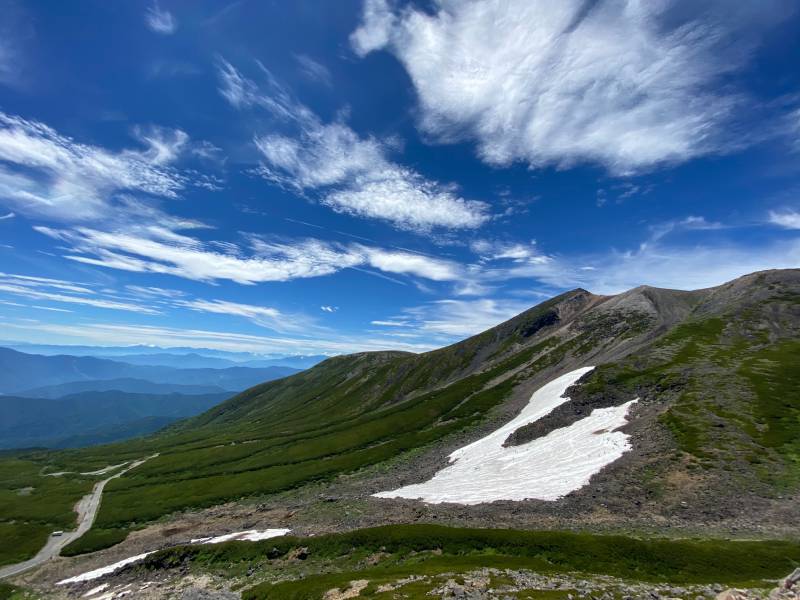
<point x="714" y="435"/>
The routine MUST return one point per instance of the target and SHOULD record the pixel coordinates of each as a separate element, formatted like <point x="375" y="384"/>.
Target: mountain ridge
<point x="18" y="369"/>
<point x="711" y="369"/>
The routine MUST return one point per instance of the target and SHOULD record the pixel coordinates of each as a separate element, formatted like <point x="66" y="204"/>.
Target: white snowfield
<point x="546" y="468"/>
<point x="252" y="535"/>
<point x="242" y="536"/>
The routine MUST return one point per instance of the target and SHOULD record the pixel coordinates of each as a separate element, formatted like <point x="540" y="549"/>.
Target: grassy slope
<point x="342" y="415"/>
<point x="336" y="559"/>
<point x="29" y="515"/>
<point x="735" y="377"/>
<point x="358" y="410"/>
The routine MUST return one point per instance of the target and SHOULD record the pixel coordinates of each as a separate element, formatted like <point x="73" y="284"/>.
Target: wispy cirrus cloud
<point x="120" y="333"/>
<point x="7" y="216"/>
<point x="349" y="173"/>
<point x="44" y="173"/>
<point x="158" y="250"/>
<point x="314" y="70"/>
<point x="629" y="85"/>
<point x="7" y="58"/>
<point x="264" y="316"/>
<point x="657" y="263"/>
<point x="160" y="20"/>
<point x="455" y="319"/>
<point x="64" y="292"/>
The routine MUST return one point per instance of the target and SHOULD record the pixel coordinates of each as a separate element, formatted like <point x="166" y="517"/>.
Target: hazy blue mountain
<point x="200" y="361"/>
<point x="178" y="361"/>
<point x="93" y="417"/>
<point x="126" y="384"/>
<point x="20" y="371"/>
<point x="297" y="362"/>
<point x="166" y="354"/>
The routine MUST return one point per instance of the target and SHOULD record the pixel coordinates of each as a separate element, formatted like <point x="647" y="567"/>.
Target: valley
<point x="703" y="384"/>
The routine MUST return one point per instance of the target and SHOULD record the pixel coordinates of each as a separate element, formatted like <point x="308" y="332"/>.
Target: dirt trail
<point x="86" y="508"/>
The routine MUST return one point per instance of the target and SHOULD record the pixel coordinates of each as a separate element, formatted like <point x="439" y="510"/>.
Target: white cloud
<point x="154" y="292"/>
<point x="6" y="216"/>
<point x="690" y="223"/>
<point x="489" y="250"/>
<point x="40" y="288"/>
<point x="660" y="265"/>
<point x="406" y="263"/>
<point x="353" y="175"/>
<point x="242" y="92"/>
<point x="51" y="175"/>
<point x="329" y="309"/>
<point x="51" y="308"/>
<point x="7" y="71"/>
<point x="124" y="334"/>
<point x="45" y="282"/>
<point x="626" y="84"/>
<point x="264" y="316"/>
<point x="457" y="319"/>
<point x="164" y="145"/>
<point x="160" y="21"/>
<point x="788" y="219"/>
<point x="160" y="250"/>
<point x="313" y="70"/>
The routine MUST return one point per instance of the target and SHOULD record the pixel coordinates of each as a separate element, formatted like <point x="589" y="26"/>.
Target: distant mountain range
<point x="180" y="357"/>
<point x="20" y="372"/>
<point x="62" y="401"/>
<point x="93" y="417"/>
<point x="200" y="361"/>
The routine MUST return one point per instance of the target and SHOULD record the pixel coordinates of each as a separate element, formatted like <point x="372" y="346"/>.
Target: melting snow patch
<point x="96" y="590"/>
<point x="107" y="570"/>
<point x="252" y="535"/>
<point x="243" y="536"/>
<point x="546" y="468"/>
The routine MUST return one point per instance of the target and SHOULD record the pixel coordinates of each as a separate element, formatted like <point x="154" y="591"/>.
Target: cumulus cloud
<point x="43" y="173"/>
<point x="626" y="84"/>
<point x="160" y="20"/>
<point x="788" y="219"/>
<point x="351" y="174"/>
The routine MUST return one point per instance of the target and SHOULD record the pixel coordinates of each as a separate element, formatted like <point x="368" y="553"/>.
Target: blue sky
<point x="327" y="177"/>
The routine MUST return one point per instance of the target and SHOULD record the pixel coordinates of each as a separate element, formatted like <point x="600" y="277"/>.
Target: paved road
<point x="86" y="508"/>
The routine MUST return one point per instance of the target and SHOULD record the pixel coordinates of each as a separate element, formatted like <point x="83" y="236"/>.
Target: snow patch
<point x="546" y="468"/>
<point x="107" y="570"/>
<point x="252" y="535"/>
<point x="242" y="536"/>
<point x="96" y="590"/>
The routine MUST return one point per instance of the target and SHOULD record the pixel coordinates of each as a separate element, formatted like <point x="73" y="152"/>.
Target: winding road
<point x="86" y="508"/>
